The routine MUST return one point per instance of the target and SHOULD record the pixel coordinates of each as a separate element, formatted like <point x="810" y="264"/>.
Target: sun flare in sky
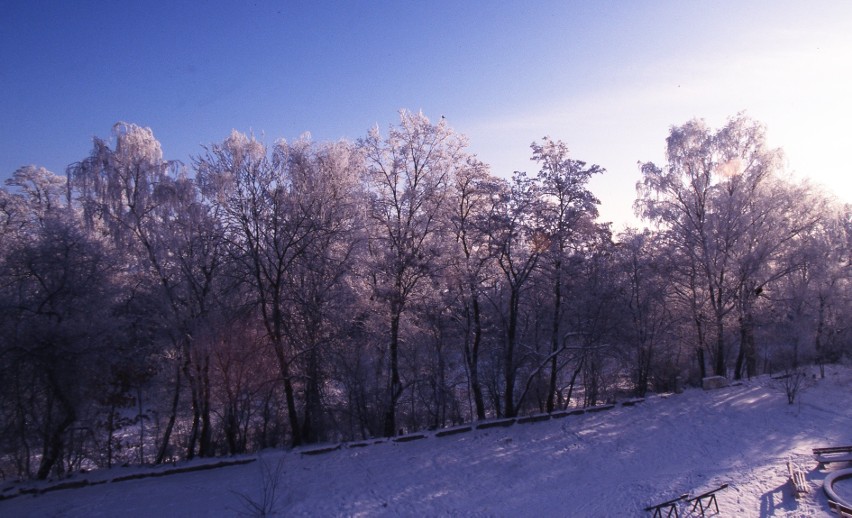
<point x="801" y="91"/>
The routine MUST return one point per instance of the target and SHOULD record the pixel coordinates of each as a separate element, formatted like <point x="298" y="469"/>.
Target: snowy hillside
<point x="607" y="463"/>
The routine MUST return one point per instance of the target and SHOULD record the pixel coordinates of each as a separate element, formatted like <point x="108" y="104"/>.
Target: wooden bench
<point x="797" y="477"/>
<point x="703" y="501"/>
<point x="833" y="454"/>
<point x="669" y="505"/>
<point x="841" y="509"/>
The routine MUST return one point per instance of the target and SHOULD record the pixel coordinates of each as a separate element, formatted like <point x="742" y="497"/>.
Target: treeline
<point x="270" y="295"/>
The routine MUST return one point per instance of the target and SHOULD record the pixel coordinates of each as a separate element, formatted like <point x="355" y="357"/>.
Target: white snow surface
<point x="610" y="463"/>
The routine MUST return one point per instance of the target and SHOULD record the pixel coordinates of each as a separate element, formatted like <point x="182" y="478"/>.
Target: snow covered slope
<point x="609" y="463"/>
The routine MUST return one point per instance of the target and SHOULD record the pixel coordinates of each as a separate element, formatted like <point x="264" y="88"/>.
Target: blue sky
<point x="608" y="78"/>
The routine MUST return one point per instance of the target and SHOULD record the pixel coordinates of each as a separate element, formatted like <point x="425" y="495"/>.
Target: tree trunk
<point x="167" y="434"/>
<point x="312" y="398"/>
<point x="110" y="434"/>
<point x="289" y="395"/>
<point x="231" y="428"/>
<point x="818" y="347"/>
<point x="53" y="441"/>
<point x="573" y="382"/>
<point x="699" y="351"/>
<point x="395" y="385"/>
<point x="196" y="421"/>
<point x="738" y="368"/>
<point x="509" y="356"/>
<point x="284" y="367"/>
<point x="205" y="446"/>
<point x="591" y="383"/>
<point x="644" y="368"/>
<point x="747" y="357"/>
<point x="53" y="450"/>
<point x="554" y="336"/>
<point x="293" y="416"/>
<point x="720" y="368"/>
<point x="472" y="357"/>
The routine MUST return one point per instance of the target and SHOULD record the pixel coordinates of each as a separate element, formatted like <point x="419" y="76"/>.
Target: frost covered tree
<point x="66" y="355"/>
<point x="264" y="237"/>
<point x="568" y="213"/>
<point x="707" y="199"/>
<point x="12" y="217"/>
<point x="57" y="326"/>
<point x="152" y="211"/>
<point x="472" y="264"/>
<point x="779" y="216"/>
<point x="325" y="185"/>
<point x="31" y="194"/>
<point x="292" y="228"/>
<point x="307" y="291"/>
<point x="42" y="190"/>
<point x="517" y="241"/>
<point x="409" y="173"/>
<point x="814" y="296"/>
<point x="646" y="293"/>
<point x="829" y="266"/>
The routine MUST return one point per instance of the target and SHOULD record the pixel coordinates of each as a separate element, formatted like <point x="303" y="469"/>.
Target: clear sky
<point x="609" y="78"/>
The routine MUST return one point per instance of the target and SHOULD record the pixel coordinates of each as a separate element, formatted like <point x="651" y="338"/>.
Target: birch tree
<point x="151" y="211"/>
<point x="705" y="198"/>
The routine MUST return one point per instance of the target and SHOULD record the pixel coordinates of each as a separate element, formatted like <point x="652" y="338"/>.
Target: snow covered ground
<point x="610" y="463"/>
